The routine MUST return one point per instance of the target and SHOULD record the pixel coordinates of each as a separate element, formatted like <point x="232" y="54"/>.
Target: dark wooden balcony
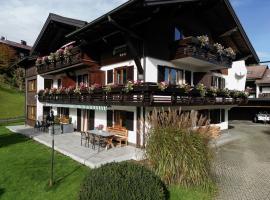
<point x="143" y="95"/>
<point x="76" y="59"/>
<point x="189" y="51"/>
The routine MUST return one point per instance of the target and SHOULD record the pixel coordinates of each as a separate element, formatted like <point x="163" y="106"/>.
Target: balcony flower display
<point x="212" y="92"/>
<point x="93" y="87"/>
<point x="128" y="87"/>
<point x="223" y="92"/>
<point x="219" y="48"/>
<point x="185" y="88"/>
<point x="163" y="85"/>
<point x="41" y="93"/>
<point x="59" y="55"/>
<point x="53" y="91"/>
<point x="38" y="61"/>
<point x="243" y="94"/>
<point x="70" y="90"/>
<point x="108" y="88"/>
<point x="230" y="52"/>
<point x="67" y="52"/>
<point x="45" y="60"/>
<point x="52" y="58"/>
<point x="61" y="90"/>
<point x="201" y="89"/>
<point x="204" y="40"/>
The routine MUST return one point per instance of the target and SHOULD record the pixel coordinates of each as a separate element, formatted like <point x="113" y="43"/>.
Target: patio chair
<point x="37" y="126"/>
<point x="85" y="137"/>
<point x="92" y="139"/>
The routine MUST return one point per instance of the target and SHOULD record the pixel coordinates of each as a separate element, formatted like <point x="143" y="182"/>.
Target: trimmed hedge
<point x="125" y="180"/>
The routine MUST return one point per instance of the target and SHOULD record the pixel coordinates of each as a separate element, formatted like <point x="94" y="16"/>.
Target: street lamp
<point x="50" y="120"/>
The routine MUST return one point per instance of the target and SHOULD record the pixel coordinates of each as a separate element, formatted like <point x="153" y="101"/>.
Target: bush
<point x="126" y="180"/>
<point x="178" y="151"/>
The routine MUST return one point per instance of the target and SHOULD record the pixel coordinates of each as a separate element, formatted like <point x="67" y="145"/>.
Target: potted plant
<point x="229" y="52"/>
<point x="67" y="53"/>
<point x="39" y="61"/>
<point x="163" y="85"/>
<point x="203" y="40"/>
<point x="59" y="55"/>
<point x="128" y="87"/>
<point x="45" y="60"/>
<point x="183" y="89"/>
<point x="211" y="92"/>
<point x="225" y="93"/>
<point x="198" y="91"/>
<point x="52" y="58"/>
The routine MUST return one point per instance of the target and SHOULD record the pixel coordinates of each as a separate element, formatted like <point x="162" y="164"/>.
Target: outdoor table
<point x="102" y="134"/>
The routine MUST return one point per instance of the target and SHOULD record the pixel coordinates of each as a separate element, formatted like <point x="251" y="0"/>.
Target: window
<point x="188" y="77"/>
<point x="218" y="82"/>
<point x="59" y="83"/>
<point x="170" y="75"/>
<point x="124" y="119"/>
<point x="124" y="74"/>
<point x="109" y="76"/>
<point x="63" y="112"/>
<point x="178" y="34"/>
<point x="31" y="112"/>
<point x="82" y="79"/>
<point x="48" y="83"/>
<point x="32" y="85"/>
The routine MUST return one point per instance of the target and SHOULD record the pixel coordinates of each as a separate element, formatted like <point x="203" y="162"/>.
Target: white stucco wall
<point x="100" y="118"/>
<point x="73" y="115"/>
<point x="236" y="79"/>
<point x="40" y="86"/>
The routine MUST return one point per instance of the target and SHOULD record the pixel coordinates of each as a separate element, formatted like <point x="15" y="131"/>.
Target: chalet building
<point x="21" y="49"/>
<point x="258" y="85"/>
<point x="114" y="70"/>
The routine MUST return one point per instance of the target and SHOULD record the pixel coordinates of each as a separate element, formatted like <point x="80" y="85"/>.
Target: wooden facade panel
<point x="68" y="82"/>
<point x="203" y="78"/>
<point x="30" y="71"/>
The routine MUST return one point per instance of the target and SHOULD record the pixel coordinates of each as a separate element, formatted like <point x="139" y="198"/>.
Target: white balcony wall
<point x="236" y="79"/>
<point x="40" y="86"/>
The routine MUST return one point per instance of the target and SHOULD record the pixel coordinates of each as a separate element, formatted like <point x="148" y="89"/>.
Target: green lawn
<point x="12" y="103"/>
<point x="25" y="170"/>
<point x="25" y="167"/>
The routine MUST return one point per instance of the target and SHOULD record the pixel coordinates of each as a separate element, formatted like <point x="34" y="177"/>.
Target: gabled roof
<point x="53" y="33"/>
<point x="265" y="79"/>
<point x="16" y="45"/>
<point x="219" y="15"/>
<point x="256" y="72"/>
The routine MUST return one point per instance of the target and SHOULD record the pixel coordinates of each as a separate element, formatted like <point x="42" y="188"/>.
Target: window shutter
<point x="109" y="76"/>
<point x="129" y="121"/>
<point x="161" y="73"/>
<point x="130" y="73"/>
<point x="79" y="119"/>
<point x="91" y="119"/>
<point x="109" y="118"/>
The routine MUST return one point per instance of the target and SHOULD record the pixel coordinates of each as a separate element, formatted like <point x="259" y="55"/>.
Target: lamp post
<point x="51" y="122"/>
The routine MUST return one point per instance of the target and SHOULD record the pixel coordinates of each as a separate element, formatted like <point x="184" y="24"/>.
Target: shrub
<point x="126" y="180"/>
<point x="178" y="151"/>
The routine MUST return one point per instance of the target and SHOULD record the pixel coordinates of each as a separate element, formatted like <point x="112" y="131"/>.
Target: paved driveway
<point x="242" y="166"/>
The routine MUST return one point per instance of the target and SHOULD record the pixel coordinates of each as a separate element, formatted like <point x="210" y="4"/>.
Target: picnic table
<point x="101" y="137"/>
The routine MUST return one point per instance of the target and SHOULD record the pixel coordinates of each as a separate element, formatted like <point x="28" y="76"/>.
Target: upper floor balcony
<point x="63" y="59"/>
<point x="199" y="52"/>
<point x="143" y="94"/>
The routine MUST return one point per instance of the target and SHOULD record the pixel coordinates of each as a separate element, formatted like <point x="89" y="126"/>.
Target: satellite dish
<point x="239" y="73"/>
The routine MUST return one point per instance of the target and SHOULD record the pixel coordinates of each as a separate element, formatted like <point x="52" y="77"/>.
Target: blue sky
<point x="254" y="16"/>
<point x="23" y="19"/>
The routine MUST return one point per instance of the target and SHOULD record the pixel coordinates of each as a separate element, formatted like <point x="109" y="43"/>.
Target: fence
<point x="11" y="119"/>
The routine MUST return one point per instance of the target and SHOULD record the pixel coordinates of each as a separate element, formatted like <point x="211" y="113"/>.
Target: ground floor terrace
<point x="83" y="118"/>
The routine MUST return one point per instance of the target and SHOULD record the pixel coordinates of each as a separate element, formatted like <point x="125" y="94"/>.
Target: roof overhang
<point x="219" y="15"/>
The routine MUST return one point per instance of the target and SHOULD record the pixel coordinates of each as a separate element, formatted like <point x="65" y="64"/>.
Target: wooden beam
<point x="134" y="54"/>
<point x="123" y="29"/>
<point x="229" y="32"/>
<point x="161" y="2"/>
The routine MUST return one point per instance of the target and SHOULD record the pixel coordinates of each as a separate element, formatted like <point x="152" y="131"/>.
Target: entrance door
<point x="85" y="120"/>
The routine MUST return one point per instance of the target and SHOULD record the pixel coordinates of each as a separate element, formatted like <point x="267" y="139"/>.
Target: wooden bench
<point x="121" y="134"/>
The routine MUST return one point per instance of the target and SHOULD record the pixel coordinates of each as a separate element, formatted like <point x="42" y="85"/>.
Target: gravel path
<point x="242" y="166"/>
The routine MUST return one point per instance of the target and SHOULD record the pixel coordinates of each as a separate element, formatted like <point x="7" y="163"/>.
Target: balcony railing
<point x="141" y="95"/>
<point x="191" y="47"/>
<point x="74" y="59"/>
<point x="264" y="95"/>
